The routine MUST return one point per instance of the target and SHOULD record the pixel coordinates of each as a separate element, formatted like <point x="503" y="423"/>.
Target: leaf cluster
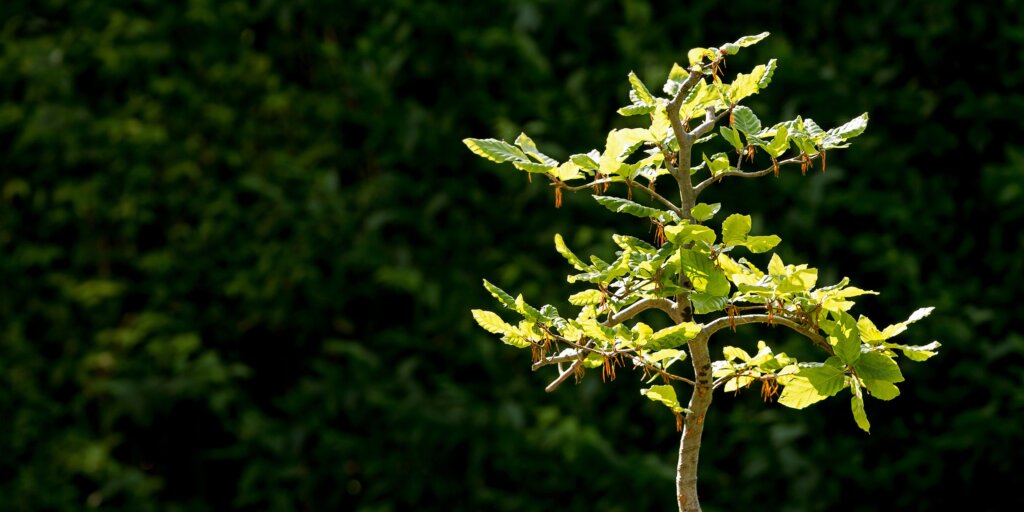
<point x="693" y="266"/>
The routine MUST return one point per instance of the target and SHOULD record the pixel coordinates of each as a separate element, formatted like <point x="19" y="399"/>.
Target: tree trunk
<point x="689" y="443"/>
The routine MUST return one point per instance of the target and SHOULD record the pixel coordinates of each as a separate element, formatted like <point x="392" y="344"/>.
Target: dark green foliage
<point x="238" y="241"/>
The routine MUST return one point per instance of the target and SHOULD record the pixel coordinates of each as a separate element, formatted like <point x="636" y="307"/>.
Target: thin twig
<point x="745" y="174"/>
<point x="636" y="308"/>
<point x="555" y="182"/>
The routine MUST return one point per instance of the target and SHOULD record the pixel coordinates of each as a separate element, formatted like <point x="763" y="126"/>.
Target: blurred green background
<point x="239" y="242"/>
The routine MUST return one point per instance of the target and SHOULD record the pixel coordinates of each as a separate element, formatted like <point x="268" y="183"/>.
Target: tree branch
<point x="658" y="197"/>
<point x="744" y="174"/>
<point x="687" y="197"/>
<point x="722" y="380"/>
<point x="724" y="322"/>
<point x="706" y="126"/>
<point x="555" y="182"/>
<point x="636" y="308"/>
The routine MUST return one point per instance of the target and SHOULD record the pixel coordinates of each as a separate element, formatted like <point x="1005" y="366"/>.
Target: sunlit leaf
<point x="731" y="136"/>
<point x="876" y="366"/>
<point x="745" y="121"/>
<point x="641" y="90"/>
<point x="528" y="147"/>
<point x="495" y="150"/>
<point x="704" y="211"/>
<point x="665" y="395"/>
<point x="500" y="294"/>
<point x="585" y="297"/>
<point x="491" y="322"/>
<point x="674" y="336"/>
<point x="751" y="40"/>
<point x="735" y="229"/>
<point x="859" y="415"/>
<point x="563" y="249"/>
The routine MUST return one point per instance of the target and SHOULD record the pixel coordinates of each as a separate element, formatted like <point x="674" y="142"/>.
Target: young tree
<point x="692" y="272"/>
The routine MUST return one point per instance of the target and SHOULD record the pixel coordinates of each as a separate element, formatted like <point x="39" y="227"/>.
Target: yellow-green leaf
<point x="563" y="249"/>
<point x="495" y="150"/>
<point x="641" y="90"/>
<point x="586" y="297"/>
<point x="859" y="415"/>
<point x="674" y="336"/>
<point x="665" y="395"/>
<point x="734" y="353"/>
<point x="491" y="322"/>
<point x="881" y="389"/>
<point x="735" y="229"/>
<point x="799" y="393"/>
<point x="526" y="143"/>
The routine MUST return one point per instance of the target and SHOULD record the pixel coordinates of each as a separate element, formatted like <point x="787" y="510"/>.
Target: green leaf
<point x="851" y="128"/>
<point x="641" y="90"/>
<point x="780" y="143"/>
<point x="751" y="40"/>
<point x="515" y="340"/>
<point x="734" y="353"/>
<point x="776" y="267"/>
<point x="696" y="100"/>
<point x="495" y="150"/>
<point x="704" y="302"/>
<point x="759" y="244"/>
<point x="620" y="205"/>
<point x="813" y="130"/>
<point x="881" y="389"/>
<point x="731" y="136"/>
<point x="597" y="331"/>
<point x="844" y="337"/>
<point x="868" y="331"/>
<point x="919" y="352"/>
<point x="573" y="260"/>
<point x="799" y="393"/>
<point x="586" y="297"/>
<point x="696" y="55"/>
<point x="681" y="235"/>
<point x="704" y="211"/>
<point x="876" y="366"/>
<point x="533" y="167"/>
<point x="766" y="77"/>
<point x="586" y="161"/>
<point x="676" y="77"/>
<point x="636" y="110"/>
<point x="527" y="310"/>
<point x="567" y="171"/>
<point x="703" y="273"/>
<point x="799" y="281"/>
<point x="859" y="415"/>
<point x="526" y="143"/>
<point x="735" y="229"/>
<point x="500" y="294"/>
<point x="668" y="353"/>
<point x="744" y="85"/>
<point x="619" y="145"/>
<point x="549" y="313"/>
<point x="745" y="120"/>
<point x="717" y="164"/>
<point x="827" y="379"/>
<point x="674" y="336"/>
<point x="634" y="243"/>
<point x="896" y="329"/>
<point x="641" y="333"/>
<point x="491" y="322"/>
<point x="664" y="394"/>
